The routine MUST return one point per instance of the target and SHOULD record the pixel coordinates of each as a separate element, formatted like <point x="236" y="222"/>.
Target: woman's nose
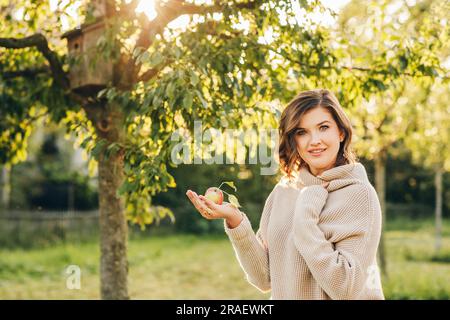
<point x="315" y="139"/>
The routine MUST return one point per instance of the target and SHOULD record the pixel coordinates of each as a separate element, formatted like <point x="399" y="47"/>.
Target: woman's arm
<point x="234" y="220"/>
<point x="341" y="268"/>
<point x="251" y="249"/>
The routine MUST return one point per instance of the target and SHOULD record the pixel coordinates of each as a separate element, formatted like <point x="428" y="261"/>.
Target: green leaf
<point x="263" y="91"/>
<point x="187" y="101"/>
<point x="112" y="149"/>
<point x="194" y="78"/>
<point x="177" y="52"/>
<point x="171" y="183"/>
<point x="199" y="95"/>
<point x="98" y="148"/>
<point x="231" y="184"/>
<point x="247" y="90"/>
<point x="85" y="142"/>
<point x="156" y="59"/>
<point x="136" y="52"/>
<point x="144" y="57"/>
<point x="228" y="80"/>
<point x="170" y="90"/>
<point x="148" y="99"/>
<point x="111" y="94"/>
<point x="102" y="93"/>
<point x="403" y="63"/>
<point x="234" y="201"/>
<point x="124" y="188"/>
<point x="157" y="101"/>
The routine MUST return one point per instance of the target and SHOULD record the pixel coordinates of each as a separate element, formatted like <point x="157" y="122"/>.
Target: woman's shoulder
<point x="287" y="182"/>
<point x="361" y="195"/>
<point x="282" y="188"/>
<point x="367" y="189"/>
<point x="359" y="190"/>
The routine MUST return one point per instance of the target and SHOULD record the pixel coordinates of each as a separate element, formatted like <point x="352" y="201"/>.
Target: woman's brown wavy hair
<point x="290" y="160"/>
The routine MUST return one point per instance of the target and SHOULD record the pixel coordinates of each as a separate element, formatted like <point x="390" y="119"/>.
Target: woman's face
<point x="318" y="130"/>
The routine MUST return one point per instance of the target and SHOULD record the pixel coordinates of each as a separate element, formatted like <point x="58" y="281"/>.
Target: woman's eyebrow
<point x="316" y="124"/>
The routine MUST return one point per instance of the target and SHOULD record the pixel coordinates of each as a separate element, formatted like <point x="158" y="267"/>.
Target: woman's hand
<point x="325" y="184"/>
<point x="209" y="210"/>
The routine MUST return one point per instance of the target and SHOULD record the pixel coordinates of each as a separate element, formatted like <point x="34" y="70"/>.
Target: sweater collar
<point x="353" y="172"/>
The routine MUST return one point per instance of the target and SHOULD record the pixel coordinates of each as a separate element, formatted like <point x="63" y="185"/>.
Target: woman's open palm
<point x="209" y="209"/>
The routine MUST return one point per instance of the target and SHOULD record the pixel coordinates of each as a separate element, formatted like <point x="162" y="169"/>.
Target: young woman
<point x="321" y="224"/>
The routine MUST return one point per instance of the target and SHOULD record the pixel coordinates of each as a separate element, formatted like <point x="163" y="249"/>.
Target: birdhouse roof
<point x="72" y="33"/>
<point x="82" y="29"/>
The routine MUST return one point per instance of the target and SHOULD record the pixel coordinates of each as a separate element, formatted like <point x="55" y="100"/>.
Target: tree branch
<point x="176" y="8"/>
<point x="128" y="9"/>
<point x="28" y="121"/>
<point x="349" y="68"/>
<point x="168" y="12"/>
<point x="40" y="42"/>
<point x="149" y="74"/>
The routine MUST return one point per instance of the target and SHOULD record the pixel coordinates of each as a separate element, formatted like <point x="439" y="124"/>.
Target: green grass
<point x="204" y="267"/>
<point x="415" y="270"/>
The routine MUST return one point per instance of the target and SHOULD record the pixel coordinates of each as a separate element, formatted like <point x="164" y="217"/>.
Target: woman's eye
<point x="302" y="132"/>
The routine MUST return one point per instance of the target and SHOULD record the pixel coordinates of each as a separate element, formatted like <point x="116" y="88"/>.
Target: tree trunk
<point x="438" y="208"/>
<point x="113" y="230"/>
<point x="113" y="225"/>
<point x="380" y="186"/>
<point x="5" y="187"/>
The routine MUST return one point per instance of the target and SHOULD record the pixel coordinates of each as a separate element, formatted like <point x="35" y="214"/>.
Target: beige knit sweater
<point x="312" y="242"/>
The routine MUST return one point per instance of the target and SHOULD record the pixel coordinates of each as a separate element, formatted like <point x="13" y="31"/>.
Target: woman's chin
<point x="320" y="164"/>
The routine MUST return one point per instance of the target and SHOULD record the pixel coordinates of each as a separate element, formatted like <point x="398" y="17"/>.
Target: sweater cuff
<point x="241" y="231"/>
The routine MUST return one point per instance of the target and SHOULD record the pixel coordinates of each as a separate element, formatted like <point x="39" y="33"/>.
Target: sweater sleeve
<point x="251" y="249"/>
<point x="341" y="268"/>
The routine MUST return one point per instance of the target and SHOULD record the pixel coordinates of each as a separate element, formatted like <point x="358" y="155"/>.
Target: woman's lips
<point x="317" y="154"/>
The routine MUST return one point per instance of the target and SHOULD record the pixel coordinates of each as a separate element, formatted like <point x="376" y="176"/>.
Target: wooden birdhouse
<point x="89" y="71"/>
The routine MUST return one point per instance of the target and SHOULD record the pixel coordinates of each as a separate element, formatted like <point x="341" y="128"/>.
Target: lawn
<point x="204" y="267"/>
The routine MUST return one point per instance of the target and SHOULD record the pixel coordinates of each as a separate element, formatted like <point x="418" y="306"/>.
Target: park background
<point x="387" y="61"/>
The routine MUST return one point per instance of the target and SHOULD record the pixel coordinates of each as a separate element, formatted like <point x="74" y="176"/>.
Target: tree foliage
<point x="230" y="58"/>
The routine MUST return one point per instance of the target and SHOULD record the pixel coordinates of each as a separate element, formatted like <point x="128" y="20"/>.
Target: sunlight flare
<point x="147" y="7"/>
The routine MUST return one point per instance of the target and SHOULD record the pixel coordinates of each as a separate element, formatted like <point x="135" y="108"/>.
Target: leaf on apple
<point x="234" y="201"/>
<point x="231" y="184"/>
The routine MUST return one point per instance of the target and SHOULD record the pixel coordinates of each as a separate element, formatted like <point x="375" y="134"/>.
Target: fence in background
<point x="26" y="229"/>
<point x="39" y="228"/>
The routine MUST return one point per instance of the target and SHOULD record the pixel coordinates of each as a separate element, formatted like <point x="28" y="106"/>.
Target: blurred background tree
<point x="51" y="178"/>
